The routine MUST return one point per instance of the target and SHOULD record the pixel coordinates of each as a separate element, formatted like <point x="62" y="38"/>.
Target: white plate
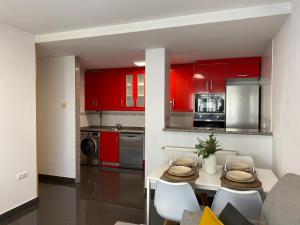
<point x="185" y="162"/>
<point x="239" y="166"/>
<point x="239" y="175"/>
<point x="179" y="170"/>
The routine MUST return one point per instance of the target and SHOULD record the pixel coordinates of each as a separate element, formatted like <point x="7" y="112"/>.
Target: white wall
<point x="266" y="88"/>
<point x="17" y="117"/>
<point x="285" y="91"/>
<point x="56" y="116"/>
<point x="260" y="147"/>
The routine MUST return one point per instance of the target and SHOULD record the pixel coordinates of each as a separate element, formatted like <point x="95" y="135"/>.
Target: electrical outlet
<point x="22" y="175"/>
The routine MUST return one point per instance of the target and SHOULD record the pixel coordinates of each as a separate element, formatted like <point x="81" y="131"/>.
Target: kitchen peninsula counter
<point x="219" y="130"/>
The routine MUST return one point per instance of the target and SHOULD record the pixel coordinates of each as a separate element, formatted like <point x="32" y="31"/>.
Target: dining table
<point x="205" y="181"/>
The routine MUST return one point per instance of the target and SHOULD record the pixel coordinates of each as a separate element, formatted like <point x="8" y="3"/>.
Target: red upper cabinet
<point x="115" y="89"/>
<point x="244" y="68"/>
<point x="91" y="90"/>
<point x="201" y="78"/>
<point x="181" y="87"/>
<point x="217" y="78"/>
<point x="134" y="89"/>
<point x="112" y="90"/>
<point x="210" y="78"/>
<point x="109" y="145"/>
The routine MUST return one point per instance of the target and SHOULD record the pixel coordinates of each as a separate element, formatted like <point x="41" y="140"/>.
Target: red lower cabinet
<point x="109" y="149"/>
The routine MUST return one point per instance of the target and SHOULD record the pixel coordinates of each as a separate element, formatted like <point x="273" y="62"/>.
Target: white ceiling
<point x="47" y="16"/>
<point x="240" y="38"/>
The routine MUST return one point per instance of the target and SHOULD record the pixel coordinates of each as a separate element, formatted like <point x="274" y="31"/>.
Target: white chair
<point x="171" y="199"/>
<point x="249" y="203"/>
<point x="241" y="159"/>
<point x="222" y="156"/>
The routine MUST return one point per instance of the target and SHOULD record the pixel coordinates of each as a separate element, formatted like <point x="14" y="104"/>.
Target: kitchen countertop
<point x="219" y="130"/>
<point x="113" y="128"/>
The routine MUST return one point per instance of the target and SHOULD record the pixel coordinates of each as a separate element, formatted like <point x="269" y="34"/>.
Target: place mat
<point x="255" y="185"/>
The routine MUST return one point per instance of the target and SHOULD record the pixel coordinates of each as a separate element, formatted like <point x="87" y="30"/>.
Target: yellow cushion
<point x="209" y="218"/>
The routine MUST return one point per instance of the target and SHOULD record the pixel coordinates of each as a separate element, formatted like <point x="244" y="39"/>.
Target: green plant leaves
<point x="208" y="146"/>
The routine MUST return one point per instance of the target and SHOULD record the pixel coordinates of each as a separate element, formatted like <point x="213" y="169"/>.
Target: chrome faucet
<point x="118" y="126"/>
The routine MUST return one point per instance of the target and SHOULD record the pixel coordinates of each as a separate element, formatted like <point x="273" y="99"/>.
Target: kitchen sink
<point x="111" y="128"/>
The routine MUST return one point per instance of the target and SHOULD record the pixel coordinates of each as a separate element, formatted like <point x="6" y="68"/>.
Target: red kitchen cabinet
<point x="201" y="78"/>
<point x="210" y="78"/>
<point x="181" y="87"/>
<point x="243" y="70"/>
<point x="217" y="78"/>
<point x="120" y="89"/>
<point x="109" y="148"/>
<point x="249" y="67"/>
<point x="112" y="88"/>
<point x="91" y="90"/>
<point x="134" y="89"/>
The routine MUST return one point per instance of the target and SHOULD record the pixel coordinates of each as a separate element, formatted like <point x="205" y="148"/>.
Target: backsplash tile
<point x="110" y="118"/>
<point x="181" y="119"/>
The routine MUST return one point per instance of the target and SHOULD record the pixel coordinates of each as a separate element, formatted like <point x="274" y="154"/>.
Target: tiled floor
<point x="101" y="198"/>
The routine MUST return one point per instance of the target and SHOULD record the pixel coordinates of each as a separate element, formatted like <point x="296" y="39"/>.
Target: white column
<point x="157" y="104"/>
<point x="157" y="109"/>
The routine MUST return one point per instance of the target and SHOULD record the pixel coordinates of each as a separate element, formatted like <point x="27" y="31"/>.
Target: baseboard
<point x="56" y="179"/>
<point x="20" y="210"/>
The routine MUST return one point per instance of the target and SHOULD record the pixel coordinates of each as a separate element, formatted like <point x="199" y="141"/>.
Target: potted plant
<point x="207" y="149"/>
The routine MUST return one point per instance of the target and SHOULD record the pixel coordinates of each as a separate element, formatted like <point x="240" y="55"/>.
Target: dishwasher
<point x="131" y="150"/>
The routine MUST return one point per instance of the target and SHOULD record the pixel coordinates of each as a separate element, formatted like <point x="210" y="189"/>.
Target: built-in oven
<point x="209" y="110"/>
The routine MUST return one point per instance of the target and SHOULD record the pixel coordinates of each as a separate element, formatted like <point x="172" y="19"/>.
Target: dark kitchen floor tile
<point x="101" y="198"/>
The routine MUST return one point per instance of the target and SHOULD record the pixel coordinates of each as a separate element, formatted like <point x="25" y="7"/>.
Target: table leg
<point x="148" y="202"/>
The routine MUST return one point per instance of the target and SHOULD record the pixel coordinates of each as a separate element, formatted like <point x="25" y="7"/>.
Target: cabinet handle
<point x="96" y="102"/>
<point x="173" y="102"/>
<point x="121" y="102"/>
<point x="93" y="102"/>
<point x="242" y="75"/>
<point x="211" y="85"/>
<point x="206" y="85"/>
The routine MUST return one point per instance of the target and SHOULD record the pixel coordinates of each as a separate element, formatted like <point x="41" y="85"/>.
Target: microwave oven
<point x="210" y="103"/>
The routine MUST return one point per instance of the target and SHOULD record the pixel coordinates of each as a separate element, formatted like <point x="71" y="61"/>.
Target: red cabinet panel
<point x="109" y="147"/>
<point x="217" y="78"/>
<point x="210" y="78"/>
<point x="134" y="95"/>
<point x="249" y="67"/>
<point x="243" y="70"/>
<point x="201" y="78"/>
<point x="181" y="87"/>
<point x="91" y="90"/>
<point x="112" y="90"/>
<point x="140" y="83"/>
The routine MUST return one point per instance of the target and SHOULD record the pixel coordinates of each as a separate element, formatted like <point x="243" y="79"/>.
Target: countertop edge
<point x="241" y="132"/>
<point x="125" y="130"/>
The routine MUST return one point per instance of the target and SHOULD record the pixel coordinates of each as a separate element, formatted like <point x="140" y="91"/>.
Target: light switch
<point x="64" y="105"/>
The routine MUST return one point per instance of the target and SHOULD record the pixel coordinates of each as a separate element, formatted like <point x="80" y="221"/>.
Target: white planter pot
<point x="210" y="164"/>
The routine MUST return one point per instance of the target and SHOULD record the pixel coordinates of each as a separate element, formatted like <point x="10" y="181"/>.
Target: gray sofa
<point x="281" y="206"/>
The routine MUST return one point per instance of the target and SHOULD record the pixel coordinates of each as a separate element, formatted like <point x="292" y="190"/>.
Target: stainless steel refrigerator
<point x="242" y="106"/>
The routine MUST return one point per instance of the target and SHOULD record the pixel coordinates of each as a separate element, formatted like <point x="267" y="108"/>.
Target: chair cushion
<point x="231" y="216"/>
<point x="208" y="217"/>
<point x="282" y="205"/>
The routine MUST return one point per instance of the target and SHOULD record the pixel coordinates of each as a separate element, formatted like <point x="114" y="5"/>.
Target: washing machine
<point x="90" y="148"/>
